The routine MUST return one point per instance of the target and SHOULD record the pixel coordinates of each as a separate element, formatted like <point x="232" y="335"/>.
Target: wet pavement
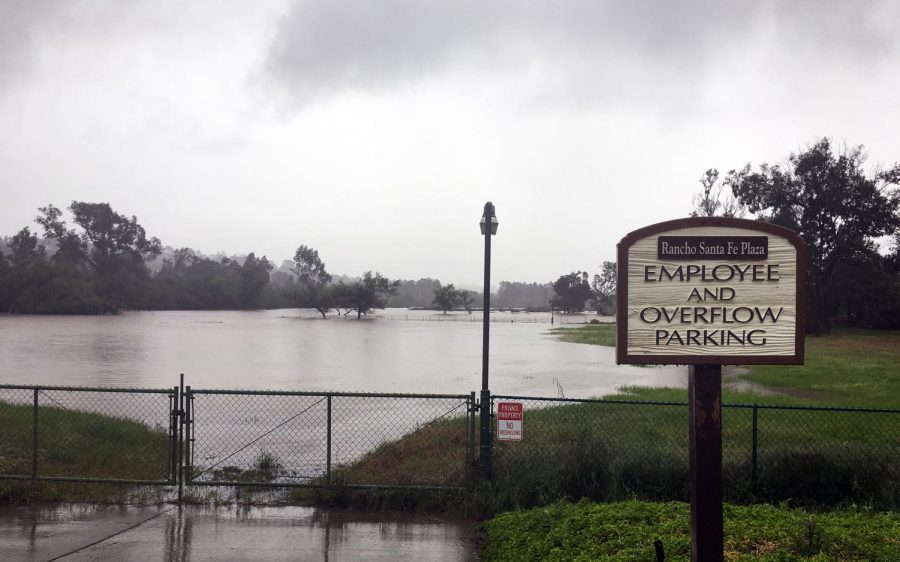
<point x="88" y="532"/>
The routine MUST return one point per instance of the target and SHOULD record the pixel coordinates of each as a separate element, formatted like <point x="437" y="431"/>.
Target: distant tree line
<point x="848" y="218"/>
<point x="99" y="265"/>
<point x="100" y="261"/>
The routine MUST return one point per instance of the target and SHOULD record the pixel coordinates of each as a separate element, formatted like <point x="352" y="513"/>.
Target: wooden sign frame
<point x="622" y="320"/>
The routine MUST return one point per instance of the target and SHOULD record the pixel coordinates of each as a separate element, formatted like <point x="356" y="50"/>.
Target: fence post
<point x="753" y="452"/>
<point x="34" y="438"/>
<point x="188" y="460"/>
<point x="173" y="434"/>
<point x="180" y="438"/>
<point x="485" y="439"/>
<point x="328" y="445"/>
<point x="471" y="461"/>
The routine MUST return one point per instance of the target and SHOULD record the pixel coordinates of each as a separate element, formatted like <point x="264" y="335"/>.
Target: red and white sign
<point x="509" y="421"/>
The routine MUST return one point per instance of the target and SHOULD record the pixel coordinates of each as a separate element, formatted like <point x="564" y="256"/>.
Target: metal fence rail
<point x="600" y="448"/>
<point x="79" y="434"/>
<point x="770" y="452"/>
<point x="287" y="439"/>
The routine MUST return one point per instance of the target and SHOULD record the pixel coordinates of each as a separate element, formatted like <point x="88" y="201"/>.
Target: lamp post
<point x="488" y="228"/>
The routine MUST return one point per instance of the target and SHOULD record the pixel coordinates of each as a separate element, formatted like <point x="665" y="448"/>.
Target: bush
<point x="628" y="530"/>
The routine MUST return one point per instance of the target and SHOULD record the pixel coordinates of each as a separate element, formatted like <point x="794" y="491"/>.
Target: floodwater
<point x="395" y="350"/>
<point x="88" y="532"/>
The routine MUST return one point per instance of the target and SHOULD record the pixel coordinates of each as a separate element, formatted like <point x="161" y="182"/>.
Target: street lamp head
<point x="488" y="218"/>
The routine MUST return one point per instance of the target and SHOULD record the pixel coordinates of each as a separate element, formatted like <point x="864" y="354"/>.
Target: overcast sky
<point x="375" y="131"/>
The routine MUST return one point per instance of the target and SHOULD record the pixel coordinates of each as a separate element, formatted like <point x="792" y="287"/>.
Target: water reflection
<point x="311" y="534"/>
<point x="178" y="537"/>
<point x="87" y="532"/>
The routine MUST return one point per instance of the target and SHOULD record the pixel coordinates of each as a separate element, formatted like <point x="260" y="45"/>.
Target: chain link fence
<point x="88" y="434"/>
<point x="601" y="449"/>
<point x="285" y="439"/>
<point x="618" y="449"/>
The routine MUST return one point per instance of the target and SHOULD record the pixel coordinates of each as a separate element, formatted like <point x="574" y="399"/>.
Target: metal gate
<point x="313" y="439"/>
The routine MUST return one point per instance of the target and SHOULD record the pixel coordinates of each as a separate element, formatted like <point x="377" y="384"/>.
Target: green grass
<point x="613" y="452"/>
<point x="848" y="367"/>
<point x="610" y="452"/>
<point x="859" y="368"/>
<point x="77" y="444"/>
<point x="595" y="334"/>
<point x="627" y="531"/>
<point x="431" y="456"/>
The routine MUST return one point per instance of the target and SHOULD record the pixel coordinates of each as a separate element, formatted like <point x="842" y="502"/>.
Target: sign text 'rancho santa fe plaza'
<point x="710" y="291"/>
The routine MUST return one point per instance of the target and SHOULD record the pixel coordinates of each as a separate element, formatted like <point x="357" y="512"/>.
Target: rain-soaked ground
<point x="88" y="532"/>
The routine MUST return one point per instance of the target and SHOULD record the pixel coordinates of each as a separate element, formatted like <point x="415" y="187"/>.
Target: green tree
<point x="254" y="279"/>
<point x="191" y="282"/>
<point x="216" y="284"/>
<point x="5" y="282"/>
<point x="711" y="202"/>
<point x="312" y="280"/>
<point x="603" y="289"/>
<point x="414" y="293"/>
<point x="29" y="272"/>
<point x="515" y="294"/>
<point x="465" y="300"/>
<point x="367" y="294"/>
<point x="835" y="207"/>
<point x="571" y="292"/>
<point x="887" y="314"/>
<point x="113" y="247"/>
<point x="446" y="297"/>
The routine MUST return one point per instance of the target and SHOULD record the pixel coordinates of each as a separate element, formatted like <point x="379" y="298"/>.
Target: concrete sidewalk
<point x="88" y="532"/>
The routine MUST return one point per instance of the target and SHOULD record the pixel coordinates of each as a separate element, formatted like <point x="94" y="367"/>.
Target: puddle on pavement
<point x="41" y="532"/>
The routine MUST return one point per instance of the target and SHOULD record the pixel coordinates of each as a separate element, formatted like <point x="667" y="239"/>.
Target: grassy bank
<point x="431" y="456"/>
<point x="628" y="530"/>
<point x="610" y="452"/>
<point x="594" y="334"/>
<point x="852" y="368"/>
<point x="617" y="451"/>
<point x="77" y="444"/>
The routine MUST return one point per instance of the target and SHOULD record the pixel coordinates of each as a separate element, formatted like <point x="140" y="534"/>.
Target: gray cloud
<point x="26" y="26"/>
<point x="19" y="24"/>
<point x="594" y="49"/>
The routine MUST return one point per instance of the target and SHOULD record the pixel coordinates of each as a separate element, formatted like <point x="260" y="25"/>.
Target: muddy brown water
<point x="394" y="351"/>
<point x="397" y="351"/>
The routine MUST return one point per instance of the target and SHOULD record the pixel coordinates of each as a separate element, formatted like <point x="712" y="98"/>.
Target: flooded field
<point x="396" y="350"/>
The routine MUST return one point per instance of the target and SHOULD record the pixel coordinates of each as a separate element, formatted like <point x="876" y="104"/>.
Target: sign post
<point x="707" y="292"/>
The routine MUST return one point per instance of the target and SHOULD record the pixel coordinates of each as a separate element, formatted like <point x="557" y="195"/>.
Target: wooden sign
<point x="710" y="291"/>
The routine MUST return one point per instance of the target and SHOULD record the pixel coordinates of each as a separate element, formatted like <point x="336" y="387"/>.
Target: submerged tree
<point x="465" y="300"/>
<point x="312" y="279"/>
<point x="446" y="297"/>
<point x="368" y="293"/>
<point x="571" y="292"/>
